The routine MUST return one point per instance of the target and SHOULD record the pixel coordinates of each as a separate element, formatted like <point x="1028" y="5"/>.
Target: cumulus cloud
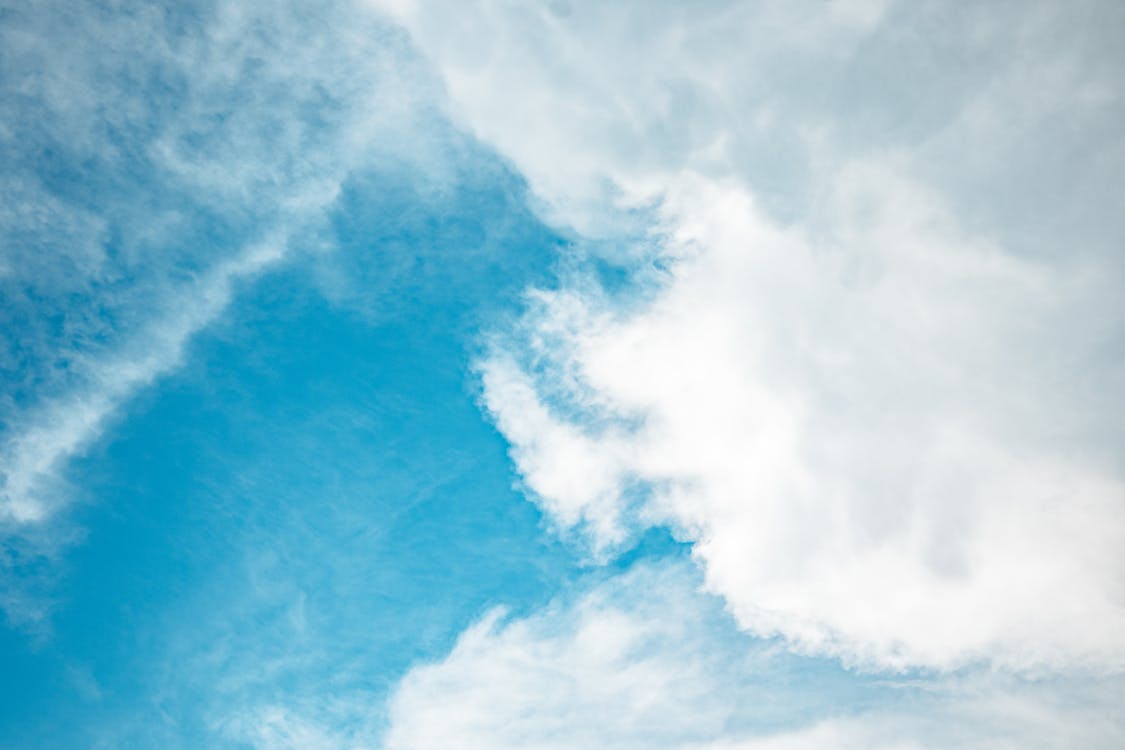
<point x="603" y="674"/>
<point x="642" y="661"/>
<point x="881" y="408"/>
<point x="860" y="455"/>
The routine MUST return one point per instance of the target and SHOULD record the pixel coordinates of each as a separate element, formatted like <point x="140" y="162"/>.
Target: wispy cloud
<point x="63" y="427"/>
<point x="265" y="119"/>
<point x="157" y="160"/>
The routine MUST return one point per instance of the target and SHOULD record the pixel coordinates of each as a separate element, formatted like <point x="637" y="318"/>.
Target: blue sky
<point x="716" y="376"/>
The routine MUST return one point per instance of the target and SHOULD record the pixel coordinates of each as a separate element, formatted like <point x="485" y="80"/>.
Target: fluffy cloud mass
<point x="872" y="370"/>
<point x="858" y="453"/>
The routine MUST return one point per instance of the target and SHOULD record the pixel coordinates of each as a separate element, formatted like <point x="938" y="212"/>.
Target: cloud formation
<point x="840" y="308"/>
<point x="880" y="406"/>
<point x="642" y="661"/>
<point x="860" y="456"/>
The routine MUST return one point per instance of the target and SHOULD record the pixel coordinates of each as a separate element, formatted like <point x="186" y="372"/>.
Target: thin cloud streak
<point x="62" y="428"/>
<point x="246" y="127"/>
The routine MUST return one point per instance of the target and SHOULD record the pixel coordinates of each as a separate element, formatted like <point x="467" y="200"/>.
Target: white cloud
<point x="593" y="101"/>
<point x="610" y="672"/>
<point x="33" y="457"/>
<point x="860" y="455"/>
<point x="643" y="662"/>
<point x="883" y="414"/>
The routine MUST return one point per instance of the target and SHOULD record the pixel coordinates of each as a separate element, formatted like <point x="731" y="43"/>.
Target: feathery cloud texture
<point x="235" y="126"/>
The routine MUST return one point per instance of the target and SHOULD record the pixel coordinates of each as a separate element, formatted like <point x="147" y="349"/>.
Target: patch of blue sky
<point x="312" y="487"/>
<point x="313" y="499"/>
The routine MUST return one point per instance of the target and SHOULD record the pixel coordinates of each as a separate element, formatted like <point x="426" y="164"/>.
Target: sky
<point x="561" y="374"/>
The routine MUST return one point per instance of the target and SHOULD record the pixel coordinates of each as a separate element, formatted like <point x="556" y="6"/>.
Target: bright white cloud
<point x="859" y="455"/>
<point x="643" y="662"/>
<point x="616" y="670"/>
<point x="883" y="413"/>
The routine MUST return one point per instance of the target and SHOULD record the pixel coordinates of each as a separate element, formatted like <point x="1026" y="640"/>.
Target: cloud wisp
<point x="155" y="162"/>
<point x="62" y="428"/>
<point x="236" y="125"/>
